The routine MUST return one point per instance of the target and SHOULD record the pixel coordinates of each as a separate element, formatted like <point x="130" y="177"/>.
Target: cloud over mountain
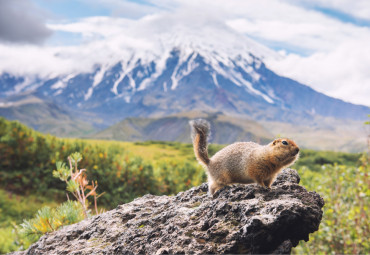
<point x="316" y="49"/>
<point x="22" y="22"/>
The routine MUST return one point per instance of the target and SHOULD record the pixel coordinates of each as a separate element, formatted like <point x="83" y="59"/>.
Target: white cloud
<point x="307" y="30"/>
<point x="22" y="22"/>
<point x="334" y="54"/>
<point x="342" y="72"/>
<point x="108" y="40"/>
<point x="94" y="26"/>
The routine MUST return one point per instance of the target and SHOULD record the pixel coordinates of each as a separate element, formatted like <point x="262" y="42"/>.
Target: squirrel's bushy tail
<point x="200" y="130"/>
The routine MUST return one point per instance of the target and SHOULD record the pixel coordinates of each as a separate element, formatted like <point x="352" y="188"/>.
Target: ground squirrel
<point x="242" y="162"/>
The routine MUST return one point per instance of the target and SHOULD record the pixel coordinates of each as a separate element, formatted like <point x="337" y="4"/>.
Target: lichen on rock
<point x="241" y="219"/>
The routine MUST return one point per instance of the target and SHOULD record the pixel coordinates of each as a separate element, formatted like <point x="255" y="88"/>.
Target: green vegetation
<point x="13" y="209"/>
<point x="345" y="187"/>
<point x="27" y="159"/>
<point x="127" y="170"/>
<point x="50" y="219"/>
<point x="345" y="227"/>
<point x="77" y="183"/>
<point x="314" y="160"/>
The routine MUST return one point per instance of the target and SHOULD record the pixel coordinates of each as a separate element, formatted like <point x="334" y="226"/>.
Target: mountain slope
<point x="192" y="82"/>
<point x="180" y="70"/>
<point x="43" y="116"/>
<point x="224" y="129"/>
<point x="322" y="134"/>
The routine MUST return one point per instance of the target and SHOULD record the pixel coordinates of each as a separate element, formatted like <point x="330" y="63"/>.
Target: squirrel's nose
<point x="297" y="150"/>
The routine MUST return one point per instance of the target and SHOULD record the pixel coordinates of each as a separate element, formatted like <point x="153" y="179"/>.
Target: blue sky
<point x="72" y="9"/>
<point x="323" y="43"/>
<point x="344" y="17"/>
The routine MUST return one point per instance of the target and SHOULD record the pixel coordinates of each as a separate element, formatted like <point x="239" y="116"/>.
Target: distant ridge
<point x="319" y="134"/>
<point x="44" y="116"/>
<point x="225" y="129"/>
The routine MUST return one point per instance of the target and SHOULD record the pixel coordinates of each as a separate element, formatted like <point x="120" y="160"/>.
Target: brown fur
<point x="242" y="162"/>
<point x="200" y="132"/>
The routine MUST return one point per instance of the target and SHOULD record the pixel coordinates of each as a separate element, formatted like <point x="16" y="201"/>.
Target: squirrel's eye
<point x="284" y="142"/>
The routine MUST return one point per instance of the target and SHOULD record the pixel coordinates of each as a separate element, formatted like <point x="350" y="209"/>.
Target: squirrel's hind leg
<point x="262" y="183"/>
<point x="213" y="187"/>
<point x="269" y="181"/>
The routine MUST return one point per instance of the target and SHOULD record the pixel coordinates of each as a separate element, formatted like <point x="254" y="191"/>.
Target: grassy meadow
<point x="125" y="170"/>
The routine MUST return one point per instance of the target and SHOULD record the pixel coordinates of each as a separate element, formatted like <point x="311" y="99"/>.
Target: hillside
<point x="43" y="115"/>
<point x="320" y="133"/>
<point x="224" y="130"/>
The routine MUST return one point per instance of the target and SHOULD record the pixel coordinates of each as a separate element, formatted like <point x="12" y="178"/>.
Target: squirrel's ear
<point x="274" y="142"/>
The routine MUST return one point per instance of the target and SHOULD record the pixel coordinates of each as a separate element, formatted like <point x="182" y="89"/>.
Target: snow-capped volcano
<point x="141" y="70"/>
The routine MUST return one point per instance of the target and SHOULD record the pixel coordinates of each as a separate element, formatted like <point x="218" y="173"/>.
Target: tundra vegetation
<point x="29" y="192"/>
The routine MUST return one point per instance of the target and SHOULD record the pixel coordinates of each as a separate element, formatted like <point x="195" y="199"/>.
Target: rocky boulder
<point x="241" y="219"/>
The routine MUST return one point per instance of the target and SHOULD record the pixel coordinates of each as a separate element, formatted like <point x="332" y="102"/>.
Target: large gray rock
<point x="242" y="219"/>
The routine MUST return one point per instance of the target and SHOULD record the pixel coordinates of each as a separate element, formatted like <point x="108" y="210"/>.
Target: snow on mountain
<point x="138" y="69"/>
<point x="219" y="48"/>
<point x="151" y="38"/>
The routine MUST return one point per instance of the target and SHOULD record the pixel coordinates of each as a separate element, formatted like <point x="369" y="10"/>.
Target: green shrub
<point x="345" y="227"/>
<point x="314" y="160"/>
<point x="179" y="176"/>
<point x="8" y="241"/>
<point x="50" y="219"/>
<point x="27" y="159"/>
<point x="126" y="179"/>
<point x="14" y="208"/>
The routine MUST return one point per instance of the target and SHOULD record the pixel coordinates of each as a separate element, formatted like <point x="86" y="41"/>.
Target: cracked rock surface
<point x="242" y="219"/>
